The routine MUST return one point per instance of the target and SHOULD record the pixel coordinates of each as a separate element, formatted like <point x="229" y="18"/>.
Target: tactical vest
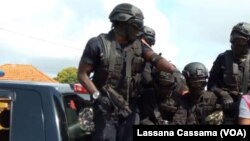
<point x="208" y="101"/>
<point x="232" y="74"/>
<point x="205" y="106"/>
<point x="119" y="67"/>
<point x="235" y="81"/>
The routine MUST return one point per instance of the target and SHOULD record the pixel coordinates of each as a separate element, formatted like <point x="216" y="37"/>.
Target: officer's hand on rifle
<point x="227" y="100"/>
<point x="181" y="86"/>
<point x="104" y="102"/>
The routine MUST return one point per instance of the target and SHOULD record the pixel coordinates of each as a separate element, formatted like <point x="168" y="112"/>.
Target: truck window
<point x="74" y="107"/>
<point x="27" y="116"/>
<point x="74" y="104"/>
<point x="6" y="98"/>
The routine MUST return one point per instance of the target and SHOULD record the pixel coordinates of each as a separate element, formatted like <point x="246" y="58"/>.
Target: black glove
<point x="181" y="85"/>
<point x="124" y="113"/>
<point x="227" y="100"/>
<point x="104" y="104"/>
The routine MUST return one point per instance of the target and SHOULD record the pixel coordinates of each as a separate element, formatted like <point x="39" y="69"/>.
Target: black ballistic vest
<point x="119" y="67"/>
<point x="233" y="73"/>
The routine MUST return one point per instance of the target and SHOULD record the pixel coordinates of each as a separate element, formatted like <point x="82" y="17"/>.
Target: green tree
<point x="67" y="75"/>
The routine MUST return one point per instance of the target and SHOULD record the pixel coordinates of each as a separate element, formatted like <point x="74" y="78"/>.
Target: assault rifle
<point x="120" y="104"/>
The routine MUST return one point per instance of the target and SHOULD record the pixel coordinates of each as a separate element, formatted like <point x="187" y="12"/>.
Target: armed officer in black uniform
<point x="147" y="101"/>
<point x="159" y="90"/>
<point x="229" y="76"/>
<point x="117" y="59"/>
<point x="198" y="104"/>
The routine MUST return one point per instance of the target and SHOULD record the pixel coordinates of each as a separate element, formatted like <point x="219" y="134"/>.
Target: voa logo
<point x="232" y="132"/>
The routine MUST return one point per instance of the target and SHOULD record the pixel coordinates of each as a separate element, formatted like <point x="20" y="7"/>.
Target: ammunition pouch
<point x="208" y="108"/>
<point x="138" y="64"/>
<point x="231" y="70"/>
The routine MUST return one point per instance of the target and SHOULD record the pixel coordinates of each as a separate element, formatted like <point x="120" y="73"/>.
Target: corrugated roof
<point x="24" y="72"/>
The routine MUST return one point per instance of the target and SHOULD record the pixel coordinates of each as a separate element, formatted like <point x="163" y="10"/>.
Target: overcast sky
<point x="52" y="34"/>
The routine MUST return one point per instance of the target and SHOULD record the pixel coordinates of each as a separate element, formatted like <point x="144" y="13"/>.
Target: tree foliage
<point x="67" y="75"/>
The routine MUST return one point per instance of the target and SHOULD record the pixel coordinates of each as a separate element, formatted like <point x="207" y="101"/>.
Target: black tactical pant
<point x="231" y="115"/>
<point x="109" y="127"/>
<point x="147" y="106"/>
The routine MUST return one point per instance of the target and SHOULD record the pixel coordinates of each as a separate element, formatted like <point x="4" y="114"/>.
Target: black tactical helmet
<point x="149" y="35"/>
<point x="194" y="71"/>
<point x="126" y="12"/>
<point x="241" y="30"/>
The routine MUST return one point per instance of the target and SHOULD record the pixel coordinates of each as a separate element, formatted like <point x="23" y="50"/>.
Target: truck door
<point x="21" y="115"/>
